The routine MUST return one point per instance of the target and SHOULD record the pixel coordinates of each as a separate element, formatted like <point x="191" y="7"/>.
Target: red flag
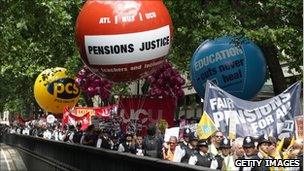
<point x="85" y="120"/>
<point x="65" y="116"/>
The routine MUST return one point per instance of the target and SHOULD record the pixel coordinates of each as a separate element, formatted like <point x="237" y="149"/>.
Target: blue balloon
<point x="236" y="65"/>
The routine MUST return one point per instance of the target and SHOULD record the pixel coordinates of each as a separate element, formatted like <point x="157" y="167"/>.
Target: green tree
<point x="35" y="35"/>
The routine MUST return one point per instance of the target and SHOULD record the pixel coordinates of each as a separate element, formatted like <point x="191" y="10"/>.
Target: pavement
<point x="10" y="159"/>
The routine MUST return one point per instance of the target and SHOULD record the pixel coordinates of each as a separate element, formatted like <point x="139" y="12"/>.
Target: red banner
<point x="104" y="111"/>
<point x="137" y="113"/>
<point x="71" y="119"/>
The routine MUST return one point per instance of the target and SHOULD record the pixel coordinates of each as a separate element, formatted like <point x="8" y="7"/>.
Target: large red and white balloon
<point x="125" y="40"/>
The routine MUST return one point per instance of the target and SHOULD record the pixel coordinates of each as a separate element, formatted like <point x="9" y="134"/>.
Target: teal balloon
<point x="236" y="65"/>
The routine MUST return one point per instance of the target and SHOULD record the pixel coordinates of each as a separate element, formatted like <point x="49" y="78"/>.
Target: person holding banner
<point x="168" y="153"/>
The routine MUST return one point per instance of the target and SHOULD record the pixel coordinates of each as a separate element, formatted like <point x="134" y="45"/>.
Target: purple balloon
<point x="108" y="86"/>
<point x="151" y="79"/>
<point x="82" y="72"/>
<point x="181" y="81"/>
<point x="97" y="81"/>
<point x="167" y="74"/>
<point x="165" y="93"/>
<point x="160" y="82"/>
<point x="180" y="93"/>
<point x="97" y="89"/>
<point x="78" y="81"/>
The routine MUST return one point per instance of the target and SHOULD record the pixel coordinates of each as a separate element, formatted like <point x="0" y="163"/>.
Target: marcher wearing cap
<point x="183" y="153"/>
<point x="202" y="157"/>
<point x="226" y="155"/>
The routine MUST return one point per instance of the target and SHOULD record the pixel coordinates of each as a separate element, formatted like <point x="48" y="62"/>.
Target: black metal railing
<point x="65" y="156"/>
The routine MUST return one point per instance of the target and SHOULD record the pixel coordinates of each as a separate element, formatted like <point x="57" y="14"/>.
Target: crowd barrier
<point x="42" y="154"/>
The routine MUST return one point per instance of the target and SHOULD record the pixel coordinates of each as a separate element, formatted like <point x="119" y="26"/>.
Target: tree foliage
<point x="35" y="35"/>
<point x="39" y="34"/>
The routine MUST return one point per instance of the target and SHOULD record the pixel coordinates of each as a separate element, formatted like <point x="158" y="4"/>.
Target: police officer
<point x="263" y="145"/>
<point x="249" y="151"/>
<point x="202" y="157"/>
<point x="184" y="152"/>
<point x="225" y="155"/>
<point x="186" y="135"/>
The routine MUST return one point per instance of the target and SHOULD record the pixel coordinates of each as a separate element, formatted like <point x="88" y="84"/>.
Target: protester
<point x="115" y="142"/>
<point x="138" y="141"/>
<point x="168" y="153"/>
<point x="127" y="145"/>
<point x="215" y="142"/>
<point x="68" y="137"/>
<point x="90" y="137"/>
<point x="104" y="140"/>
<point x="78" y="133"/>
<point x="47" y="134"/>
<point x="237" y="148"/>
<point x="152" y="144"/>
<point x="187" y="149"/>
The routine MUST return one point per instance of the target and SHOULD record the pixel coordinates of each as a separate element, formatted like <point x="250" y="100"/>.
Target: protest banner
<point x="272" y="116"/>
<point x="137" y="113"/>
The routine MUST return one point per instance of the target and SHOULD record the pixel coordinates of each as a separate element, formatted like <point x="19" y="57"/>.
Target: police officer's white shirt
<point x="193" y="161"/>
<point x="179" y="153"/>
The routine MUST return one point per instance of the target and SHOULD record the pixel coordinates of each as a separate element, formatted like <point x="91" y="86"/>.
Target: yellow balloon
<point x="54" y="90"/>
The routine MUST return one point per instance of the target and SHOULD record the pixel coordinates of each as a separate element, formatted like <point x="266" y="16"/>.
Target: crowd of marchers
<point x="216" y="152"/>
